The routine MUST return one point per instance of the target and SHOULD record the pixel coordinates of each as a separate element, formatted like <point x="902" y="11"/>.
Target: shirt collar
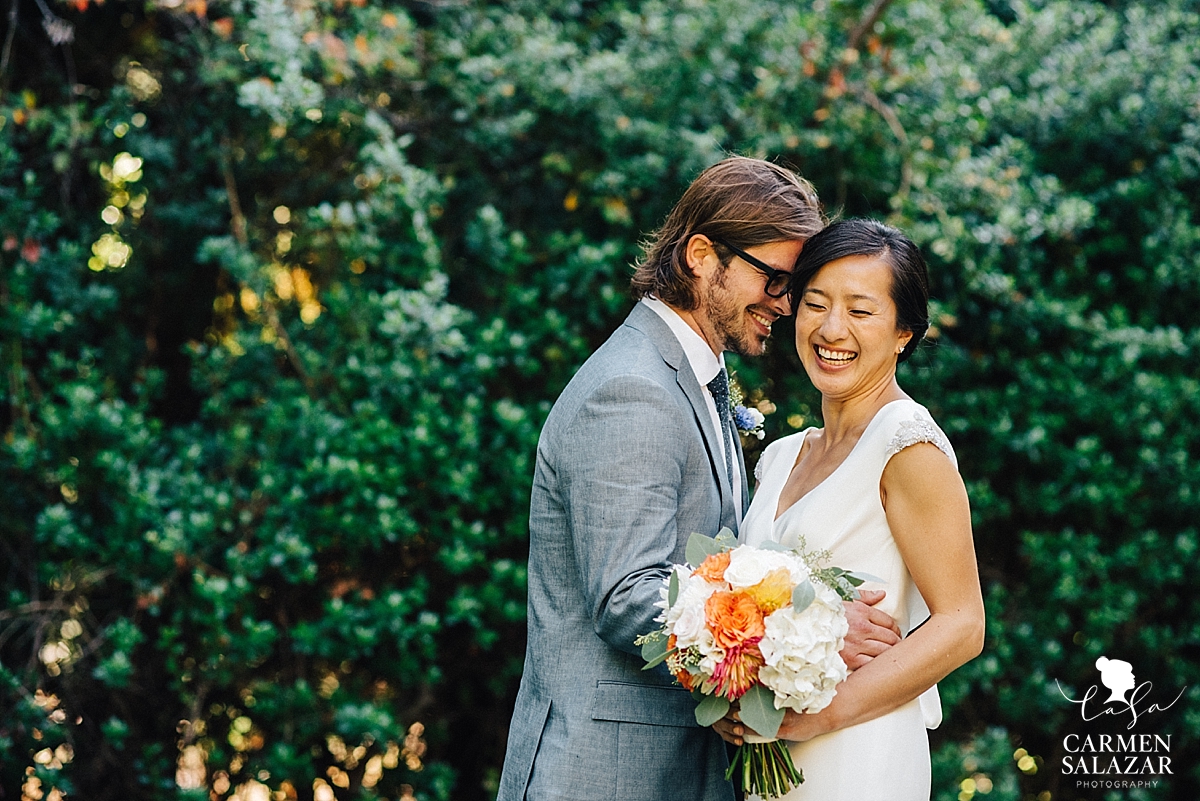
<point x="704" y="363"/>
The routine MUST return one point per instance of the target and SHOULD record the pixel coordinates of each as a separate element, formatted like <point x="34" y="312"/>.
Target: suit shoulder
<point x="627" y="355"/>
<point x="626" y="378"/>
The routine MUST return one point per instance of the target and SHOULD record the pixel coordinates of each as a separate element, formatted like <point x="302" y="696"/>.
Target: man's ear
<point x="702" y="259"/>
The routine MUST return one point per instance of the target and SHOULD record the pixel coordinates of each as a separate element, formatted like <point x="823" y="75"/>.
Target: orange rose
<point x="733" y="618"/>
<point x="713" y="567"/>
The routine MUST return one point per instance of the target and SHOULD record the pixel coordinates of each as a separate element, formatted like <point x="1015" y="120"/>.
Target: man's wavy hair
<point x="743" y="201"/>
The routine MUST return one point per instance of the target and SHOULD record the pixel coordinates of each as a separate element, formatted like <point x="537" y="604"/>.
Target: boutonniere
<point x="749" y="420"/>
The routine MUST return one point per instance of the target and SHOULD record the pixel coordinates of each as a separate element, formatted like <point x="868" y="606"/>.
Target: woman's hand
<point x="796" y="727"/>
<point x="799" y="727"/>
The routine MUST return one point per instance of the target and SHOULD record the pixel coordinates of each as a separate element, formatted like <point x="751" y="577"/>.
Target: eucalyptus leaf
<point x="726" y="538"/>
<point x="672" y="589"/>
<point x="653" y="649"/>
<point x="699" y="548"/>
<point x="656" y="661"/>
<point x="802" y="596"/>
<point x="758" y="711"/>
<point x="858" y="577"/>
<point x="711" y="709"/>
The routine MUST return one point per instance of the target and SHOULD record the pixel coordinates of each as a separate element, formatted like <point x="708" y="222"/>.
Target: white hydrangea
<point x="802" y="666"/>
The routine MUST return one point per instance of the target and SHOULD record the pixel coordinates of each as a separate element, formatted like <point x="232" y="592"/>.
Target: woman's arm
<point x="927" y="510"/>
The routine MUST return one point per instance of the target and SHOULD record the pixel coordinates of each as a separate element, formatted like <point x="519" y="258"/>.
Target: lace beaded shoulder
<point x="920" y="428"/>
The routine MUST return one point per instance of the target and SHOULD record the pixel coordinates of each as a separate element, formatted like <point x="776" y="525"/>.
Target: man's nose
<point x="782" y="306"/>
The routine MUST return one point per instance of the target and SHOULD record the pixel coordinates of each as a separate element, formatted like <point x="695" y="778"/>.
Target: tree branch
<point x="835" y="83"/>
<point x="893" y="121"/>
<point x="8" y="43"/>
<point x="867" y="22"/>
<point x="237" y="221"/>
<point x="16" y="371"/>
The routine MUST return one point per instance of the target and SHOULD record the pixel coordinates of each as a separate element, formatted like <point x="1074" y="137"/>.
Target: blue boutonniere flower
<point x="749" y="420"/>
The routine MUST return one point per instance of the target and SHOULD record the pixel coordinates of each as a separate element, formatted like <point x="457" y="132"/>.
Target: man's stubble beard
<point x="728" y="320"/>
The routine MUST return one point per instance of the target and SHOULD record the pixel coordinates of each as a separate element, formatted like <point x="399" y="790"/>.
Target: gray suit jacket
<point x="628" y="466"/>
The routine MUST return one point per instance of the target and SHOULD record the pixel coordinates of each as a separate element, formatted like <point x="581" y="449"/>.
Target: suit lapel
<point x="741" y="458"/>
<point x="647" y="321"/>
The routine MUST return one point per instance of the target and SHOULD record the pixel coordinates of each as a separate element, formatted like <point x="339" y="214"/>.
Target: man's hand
<point x="872" y="631"/>
<point x="731" y="730"/>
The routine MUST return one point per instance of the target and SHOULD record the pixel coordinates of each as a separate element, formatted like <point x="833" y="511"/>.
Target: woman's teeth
<point x="836" y="357"/>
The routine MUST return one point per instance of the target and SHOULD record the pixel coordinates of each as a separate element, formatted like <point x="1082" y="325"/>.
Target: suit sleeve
<point x="629" y="444"/>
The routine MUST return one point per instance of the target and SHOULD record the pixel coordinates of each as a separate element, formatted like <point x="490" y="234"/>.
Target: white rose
<point x="690" y="588"/>
<point x="686" y="618"/>
<point x="749" y="565"/>
<point x="690" y="625"/>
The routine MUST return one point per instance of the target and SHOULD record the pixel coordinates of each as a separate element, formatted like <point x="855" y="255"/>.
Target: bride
<point x="878" y="490"/>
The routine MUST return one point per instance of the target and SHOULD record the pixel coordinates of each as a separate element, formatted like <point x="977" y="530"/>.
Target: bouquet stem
<point x="767" y="769"/>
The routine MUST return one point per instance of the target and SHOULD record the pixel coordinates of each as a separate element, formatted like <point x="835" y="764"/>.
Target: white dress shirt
<point x="706" y="365"/>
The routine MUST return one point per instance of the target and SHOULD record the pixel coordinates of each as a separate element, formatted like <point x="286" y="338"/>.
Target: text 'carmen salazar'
<point x="1120" y="754"/>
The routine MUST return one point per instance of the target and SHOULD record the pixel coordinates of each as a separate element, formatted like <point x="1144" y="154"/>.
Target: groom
<point x="638" y="453"/>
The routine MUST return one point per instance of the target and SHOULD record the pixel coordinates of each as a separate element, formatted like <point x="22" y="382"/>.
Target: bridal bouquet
<point x="757" y="626"/>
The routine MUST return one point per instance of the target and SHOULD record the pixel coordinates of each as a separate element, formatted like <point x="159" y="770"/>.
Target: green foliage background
<point x="264" y="475"/>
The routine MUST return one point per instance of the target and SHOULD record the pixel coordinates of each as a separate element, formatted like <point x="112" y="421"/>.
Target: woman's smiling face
<point x="846" y="327"/>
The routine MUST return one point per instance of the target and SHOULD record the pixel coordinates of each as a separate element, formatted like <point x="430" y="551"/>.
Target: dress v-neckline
<point x="779" y="515"/>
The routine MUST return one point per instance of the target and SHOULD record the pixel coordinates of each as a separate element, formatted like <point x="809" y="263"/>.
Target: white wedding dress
<point x="885" y="759"/>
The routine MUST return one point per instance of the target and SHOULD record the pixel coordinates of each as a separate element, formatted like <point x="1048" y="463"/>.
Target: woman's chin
<point x="823" y="375"/>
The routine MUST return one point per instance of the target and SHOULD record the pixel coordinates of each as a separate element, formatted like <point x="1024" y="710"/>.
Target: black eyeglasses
<point x="777" y="280"/>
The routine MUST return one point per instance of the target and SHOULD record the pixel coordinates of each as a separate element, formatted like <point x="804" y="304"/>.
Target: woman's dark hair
<point x="740" y="200"/>
<point x="860" y="237"/>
